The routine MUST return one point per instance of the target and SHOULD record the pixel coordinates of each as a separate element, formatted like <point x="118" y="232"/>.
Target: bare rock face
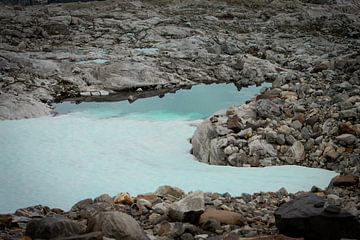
<point x="116" y="225"/>
<point x="308" y="217"/>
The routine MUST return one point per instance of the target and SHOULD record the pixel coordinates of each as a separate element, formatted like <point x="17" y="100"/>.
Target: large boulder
<point x="308" y="217"/>
<point x="206" y="146"/>
<point x="189" y="208"/>
<point x="52" y="227"/>
<point x="117" y="225"/>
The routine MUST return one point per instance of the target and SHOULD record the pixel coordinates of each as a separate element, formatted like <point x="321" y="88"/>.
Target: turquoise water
<point x="95" y="148"/>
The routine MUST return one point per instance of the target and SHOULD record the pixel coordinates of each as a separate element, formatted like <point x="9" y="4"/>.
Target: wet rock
<point x="116" y="225"/>
<point x="53" y="227"/>
<point x="222" y="216"/>
<point x="305" y="217"/>
<point x="189" y="208"/>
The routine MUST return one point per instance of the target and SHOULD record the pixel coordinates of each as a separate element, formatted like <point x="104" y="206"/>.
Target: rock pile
<point x="169" y="213"/>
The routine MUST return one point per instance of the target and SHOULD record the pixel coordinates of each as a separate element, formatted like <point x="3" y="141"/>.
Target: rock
<point x="143" y="204"/>
<point x="260" y="147"/>
<point x="206" y="145"/>
<point x="170" y="191"/>
<point x="246" y="133"/>
<point x="331" y="153"/>
<point x="104" y="198"/>
<point x="189" y="208"/>
<point x="222" y="216"/>
<point x="171" y="229"/>
<point x="306" y="217"/>
<point x="265" y="108"/>
<point x="345" y="180"/>
<point x="234" y="123"/>
<point x="87" y="236"/>
<point x="82" y="204"/>
<point x="5" y="220"/>
<point x="124" y="198"/>
<point x="295" y="154"/>
<point x="116" y="225"/>
<point x="346" y="139"/>
<point x="230" y="150"/>
<point x="273" y="237"/>
<point x="333" y="199"/>
<point x="32" y="212"/>
<point x="52" y="227"/>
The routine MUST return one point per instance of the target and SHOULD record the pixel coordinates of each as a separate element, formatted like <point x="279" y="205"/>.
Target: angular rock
<point x="234" y="123"/>
<point x="52" y="227"/>
<point x="168" y="190"/>
<point x="306" y="217"/>
<point x="295" y="153"/>
<point x="260" y="147"/>
<point x="124" y="198"/>
<point x="266" y="108"/>
<point x="116" y="225"/>
<point x="189" y="208"/>
<point x="222" y="216"/>
<point x="346" y="139"/>
<point x="345" y="180"/>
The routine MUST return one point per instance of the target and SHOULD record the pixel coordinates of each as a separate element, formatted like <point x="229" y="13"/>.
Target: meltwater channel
<point x="94" y="148"/>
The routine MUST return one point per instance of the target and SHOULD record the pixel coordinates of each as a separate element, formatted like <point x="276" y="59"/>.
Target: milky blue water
<point x="95" y="148"/>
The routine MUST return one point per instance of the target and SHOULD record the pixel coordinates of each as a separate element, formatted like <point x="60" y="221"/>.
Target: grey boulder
<point x="117" y="225"/>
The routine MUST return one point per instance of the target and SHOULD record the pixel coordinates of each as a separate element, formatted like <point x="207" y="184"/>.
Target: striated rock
<point x="189" y="208"/>
<point x="52" y="227"/>
<point x="116" y="225"/>
<point x="306" y="217"/>
<point x="222" y="216"/>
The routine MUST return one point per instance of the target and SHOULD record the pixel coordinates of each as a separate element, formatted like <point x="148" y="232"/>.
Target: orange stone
<point x="123" y="198"/>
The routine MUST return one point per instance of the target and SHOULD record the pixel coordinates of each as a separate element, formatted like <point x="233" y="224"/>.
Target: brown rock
<point x="5" y="220"/>
<point x="346" y="180"/>
<point x="233" y="123"/>
<point x="123" y="198"/>
<point x="150" y="197"/>
<point x="222" y="216"/>
<point x="331" y="153"/>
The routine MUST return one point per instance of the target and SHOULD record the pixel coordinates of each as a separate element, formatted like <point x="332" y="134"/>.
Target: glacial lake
<point x="111" y="147"/>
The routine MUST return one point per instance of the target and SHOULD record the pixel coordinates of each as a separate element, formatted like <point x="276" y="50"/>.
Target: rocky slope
<point x="52" y="52"/>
